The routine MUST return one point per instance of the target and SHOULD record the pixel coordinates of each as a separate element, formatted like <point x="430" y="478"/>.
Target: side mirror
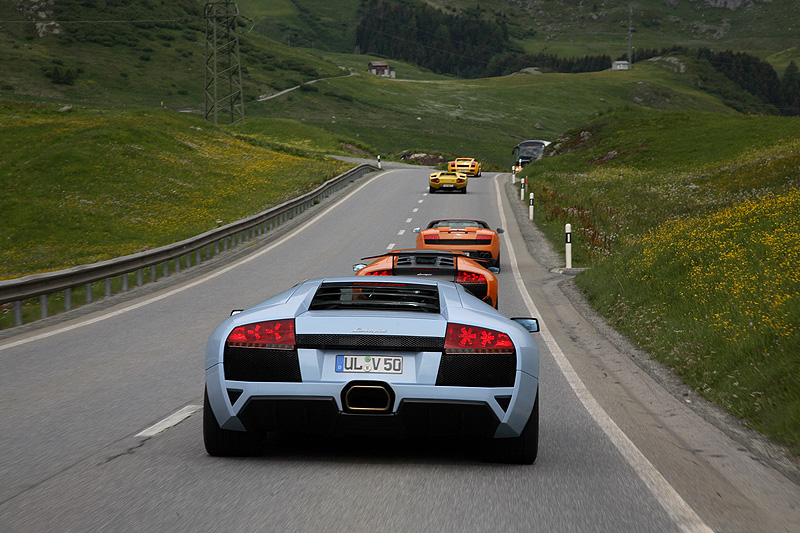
<point x="359" y="266"/>
<point x="494" y="270"/>
<point x="415" y="230"/>
<point x="236" y="311"/>
<point x="531" y="324"/>
<point x="500" y="230"/>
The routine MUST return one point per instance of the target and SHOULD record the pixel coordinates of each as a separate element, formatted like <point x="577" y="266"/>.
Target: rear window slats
<point x="376" y="296"/>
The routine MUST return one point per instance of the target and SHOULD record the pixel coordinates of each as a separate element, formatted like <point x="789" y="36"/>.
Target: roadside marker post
<point x="522" y="188"/>
<point x="530" y="206"/>
<point x="379" y="162"/>
<point x="568" y="246"/>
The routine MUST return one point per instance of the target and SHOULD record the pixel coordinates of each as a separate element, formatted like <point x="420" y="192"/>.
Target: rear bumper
<point x="446" y="186"/>
<point x="414" y="418"/>
<point x="414" y="410"/>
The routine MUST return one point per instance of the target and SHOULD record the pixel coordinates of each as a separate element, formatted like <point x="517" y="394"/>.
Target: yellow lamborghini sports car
<point x="465" y="165"/>
<point x="448" y="181"/>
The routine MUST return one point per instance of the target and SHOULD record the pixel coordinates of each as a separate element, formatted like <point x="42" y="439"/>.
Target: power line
<point x="47" y="21"/>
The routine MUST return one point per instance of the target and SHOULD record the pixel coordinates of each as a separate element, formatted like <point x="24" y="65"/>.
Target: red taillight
<point x="460" y="180"/>
<point x="434" y="180"/>
<point x="275" y="334"/>
<point x="379" y="273"/>
<point x="431" y="239"/>
<point x="469" y="277"/>
<point x="483" y="237"/>
<point x="475" y="339"/>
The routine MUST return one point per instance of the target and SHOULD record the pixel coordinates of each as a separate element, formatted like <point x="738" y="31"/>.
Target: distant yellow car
<point x="448" y="181"/>
<point x="465" y="165"/>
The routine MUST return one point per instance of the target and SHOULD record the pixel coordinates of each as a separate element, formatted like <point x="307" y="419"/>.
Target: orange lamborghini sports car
<point x="473" y="238"/>
<point x="465" y="165"/>
<point x="438" y="264"/>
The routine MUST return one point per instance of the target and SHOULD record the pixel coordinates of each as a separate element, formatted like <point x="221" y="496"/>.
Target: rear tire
<point x="432" y="190"/>
<point x="516" y="450"/>
<point x="226" y="443"/>
<point x="464" y="190"/>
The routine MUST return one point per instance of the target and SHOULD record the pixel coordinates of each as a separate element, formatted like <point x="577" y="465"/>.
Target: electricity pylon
<point x="223" y="69"/>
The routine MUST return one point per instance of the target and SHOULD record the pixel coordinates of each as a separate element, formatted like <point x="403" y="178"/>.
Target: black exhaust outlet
<point x="367" y="397"/>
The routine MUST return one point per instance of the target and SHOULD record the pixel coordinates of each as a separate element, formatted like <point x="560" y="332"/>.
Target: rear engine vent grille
<point x="370" y="342"/>
<point x="426" y="261"/>
<point x="256" y="364"/>
<point x="461" y="242"/>
<point x="477" y="370"/>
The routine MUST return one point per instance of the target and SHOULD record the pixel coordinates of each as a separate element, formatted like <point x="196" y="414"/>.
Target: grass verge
<point x="688" y="222"/>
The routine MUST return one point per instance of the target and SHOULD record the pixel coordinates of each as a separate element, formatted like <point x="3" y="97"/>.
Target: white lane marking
<point x="408" y="220"/>
<point x="420" y="201"/>
<point x="391" y="246"/>
<point x="196" y="282"/>
<point x="172" y="420"/>
<point x="415" y="210"/>
<point x="672" y="502"/>
<point x="401" y="232"/>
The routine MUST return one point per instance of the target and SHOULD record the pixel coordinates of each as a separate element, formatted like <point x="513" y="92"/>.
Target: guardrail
<point x="82" y="278"/>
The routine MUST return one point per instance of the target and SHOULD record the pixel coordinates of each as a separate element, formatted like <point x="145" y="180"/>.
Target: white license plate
<point x="447" y="186"/>
<point x="380" y="364"/>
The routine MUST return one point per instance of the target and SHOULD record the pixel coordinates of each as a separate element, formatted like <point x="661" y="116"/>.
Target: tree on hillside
<point x="415" y="32"/>
<point x="790" y="90"/>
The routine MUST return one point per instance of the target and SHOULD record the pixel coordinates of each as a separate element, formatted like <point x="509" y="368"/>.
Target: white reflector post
<point x="568" y="245"/>
<point x="530" y="206"/>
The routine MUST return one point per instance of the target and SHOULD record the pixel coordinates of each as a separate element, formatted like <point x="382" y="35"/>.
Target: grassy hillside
<point x="122" y="62"/>
<point x="485" y="118"/>
<point x="319" y="24"/>
<point x="688" y="222"/>
<point x="110" y="183"/>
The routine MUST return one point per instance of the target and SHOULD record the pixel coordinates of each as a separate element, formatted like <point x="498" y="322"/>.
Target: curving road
<point x="99" y="427"/>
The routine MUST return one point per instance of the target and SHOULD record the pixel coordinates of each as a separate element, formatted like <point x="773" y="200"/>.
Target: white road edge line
<point x="195" y="283"/>
<point x="172" y="420"/>
<point x="681" y="513"/>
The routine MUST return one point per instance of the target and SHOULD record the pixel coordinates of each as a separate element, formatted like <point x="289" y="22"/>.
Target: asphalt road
<point x="79" y="398"/>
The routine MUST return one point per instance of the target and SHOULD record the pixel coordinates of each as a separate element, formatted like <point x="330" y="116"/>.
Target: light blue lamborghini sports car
<point x="404" y="357"/>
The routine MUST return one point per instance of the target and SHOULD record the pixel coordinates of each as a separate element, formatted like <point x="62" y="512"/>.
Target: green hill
<point x="134" y="55"/>
<point x="570" y="28"/>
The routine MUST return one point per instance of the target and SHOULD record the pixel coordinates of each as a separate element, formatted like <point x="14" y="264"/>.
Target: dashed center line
<point x="172" y="420"/>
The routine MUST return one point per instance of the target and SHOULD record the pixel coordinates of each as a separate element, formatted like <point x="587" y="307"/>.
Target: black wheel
<point x="432" y="190"/>
<point x="226" y="443"/>
<point x="464" y="190"/>
<point x="516" y="450"/>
